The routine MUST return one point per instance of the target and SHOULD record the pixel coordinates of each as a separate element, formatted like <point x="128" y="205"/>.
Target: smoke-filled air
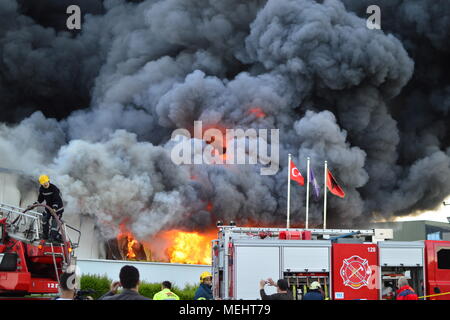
<point x="95" y="108"/>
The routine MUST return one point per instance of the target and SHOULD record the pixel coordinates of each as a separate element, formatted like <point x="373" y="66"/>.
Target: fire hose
<point x="435" y="295"/>
<point x="60" y="226"/>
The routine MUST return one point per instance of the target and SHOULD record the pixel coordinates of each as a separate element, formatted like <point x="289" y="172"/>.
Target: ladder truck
<point x="349" y="264"/>
<point x="28" y="263"/>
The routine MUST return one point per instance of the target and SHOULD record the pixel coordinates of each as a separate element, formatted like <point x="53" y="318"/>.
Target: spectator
<point x="204" y="291"/>
<point x="66" y="286"/>
<point x="129" y="280"/>
<point x="314" y="292"/>
<point x="405" y="292"/>
<point x="165" y="293"/>
<point x="283" y="292"/>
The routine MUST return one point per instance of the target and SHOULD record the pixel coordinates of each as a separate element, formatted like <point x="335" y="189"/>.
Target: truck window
<point x="443" y="257"/>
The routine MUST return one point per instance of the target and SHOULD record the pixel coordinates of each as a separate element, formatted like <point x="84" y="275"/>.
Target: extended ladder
<point x="26" y="227"/>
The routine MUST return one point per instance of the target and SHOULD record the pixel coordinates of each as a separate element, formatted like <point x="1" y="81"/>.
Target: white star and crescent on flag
<point x="296" y="175"/>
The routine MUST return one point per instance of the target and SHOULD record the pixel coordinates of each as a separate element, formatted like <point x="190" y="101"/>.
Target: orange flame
<point x="173" y="246"/>
<point x="131" y="242"/>
<point x="190" y="247"/>
<point x="257" y="112"/>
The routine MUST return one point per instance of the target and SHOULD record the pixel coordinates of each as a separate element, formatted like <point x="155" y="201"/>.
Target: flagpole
<point x="307" y="191"/>
<point x="289" y="190"/>
<point x="325" y="197"/>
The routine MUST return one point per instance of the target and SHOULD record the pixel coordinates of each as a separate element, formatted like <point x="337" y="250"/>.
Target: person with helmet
<point x="405" y="292"/>
<point x="313" y="292"/>
<point x="166" y="293"/>
<point x="204" y="291"/>
<point x="49" y="193"/>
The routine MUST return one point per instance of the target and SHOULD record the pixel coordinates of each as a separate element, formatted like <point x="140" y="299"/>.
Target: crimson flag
<point x="333" y="185"/>
<point x="296" y="175"/>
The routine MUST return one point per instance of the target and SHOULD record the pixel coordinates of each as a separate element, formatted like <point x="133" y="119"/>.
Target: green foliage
<point x="149" y="289"/>
<point x="187" y="293"/>
<point x="100" y="284"/>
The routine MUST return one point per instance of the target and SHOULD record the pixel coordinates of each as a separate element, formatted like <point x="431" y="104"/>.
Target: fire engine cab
<point x="349" y="264"/>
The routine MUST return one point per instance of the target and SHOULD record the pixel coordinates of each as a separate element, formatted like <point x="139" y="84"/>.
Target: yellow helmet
<point x="43" y="179"/>
<point x="204" y="275"/>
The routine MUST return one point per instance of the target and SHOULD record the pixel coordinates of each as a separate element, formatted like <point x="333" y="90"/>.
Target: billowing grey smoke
<point x="43" y="70"/>
<point x="334" y="88"/>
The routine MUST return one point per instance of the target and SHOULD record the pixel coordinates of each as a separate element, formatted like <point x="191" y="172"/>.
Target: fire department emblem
<point x="355" y="272"/>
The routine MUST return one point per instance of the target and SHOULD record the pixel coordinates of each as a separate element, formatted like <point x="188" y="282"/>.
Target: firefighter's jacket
<point x="165" y="294"/>
<point x="203" y="292"/>
<point x="52" y="197"/>
<point x="406" y="293"/>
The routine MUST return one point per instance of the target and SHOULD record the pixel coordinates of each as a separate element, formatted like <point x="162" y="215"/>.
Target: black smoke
<point x="96" y="108"/>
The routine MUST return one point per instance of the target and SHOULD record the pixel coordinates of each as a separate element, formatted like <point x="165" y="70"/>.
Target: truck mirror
<point x="437" y="290"/>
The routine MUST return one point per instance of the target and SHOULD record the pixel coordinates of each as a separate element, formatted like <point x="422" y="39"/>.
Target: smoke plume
<point x="95" y="108"/>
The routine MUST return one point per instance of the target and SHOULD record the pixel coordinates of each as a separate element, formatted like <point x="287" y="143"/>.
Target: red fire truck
<point x="29" y="264"/>
<point x="349" y="264"/>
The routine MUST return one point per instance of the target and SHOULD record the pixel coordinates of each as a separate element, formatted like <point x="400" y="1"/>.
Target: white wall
<point x="9" y="194"/>
<point x="178" y="274"/>
<point x="90" y="246"/>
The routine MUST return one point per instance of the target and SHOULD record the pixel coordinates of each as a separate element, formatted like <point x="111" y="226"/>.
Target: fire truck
<point x="349" y="264"/>
<point x="29" y="264"/>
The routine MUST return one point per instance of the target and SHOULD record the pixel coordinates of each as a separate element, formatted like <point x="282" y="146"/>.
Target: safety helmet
<point x="204" y="275"/>
<point x="315" y="285"/>
<point x="43" y="179"/>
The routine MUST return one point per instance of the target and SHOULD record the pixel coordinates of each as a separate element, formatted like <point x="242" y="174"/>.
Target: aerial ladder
<point x="29" y="264"/>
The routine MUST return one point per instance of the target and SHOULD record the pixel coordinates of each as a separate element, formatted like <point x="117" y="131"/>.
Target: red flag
<point x="333" y="185"/>
<point x="296" y="175"/>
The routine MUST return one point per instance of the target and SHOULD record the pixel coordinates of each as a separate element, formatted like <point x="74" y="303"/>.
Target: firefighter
<point x="52" y="196"/>
<point x="204" y="291"/>
<point x="314" y="292"/>
<point x="166" y="293"/>
<point x="405" y="292"/>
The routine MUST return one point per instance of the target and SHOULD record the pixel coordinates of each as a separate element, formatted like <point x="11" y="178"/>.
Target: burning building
<point x="95" y="109"/>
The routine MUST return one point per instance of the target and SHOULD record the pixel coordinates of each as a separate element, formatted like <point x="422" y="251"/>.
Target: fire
<point x="190" y="247"/>
<point x="173" y="246"/>
<point x="257" y="112"/>
<point x="131" y="244"/>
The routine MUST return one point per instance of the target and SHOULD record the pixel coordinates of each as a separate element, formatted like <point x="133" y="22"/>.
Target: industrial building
<point x="18" y="191"/>
<point x="417" y="230"/>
